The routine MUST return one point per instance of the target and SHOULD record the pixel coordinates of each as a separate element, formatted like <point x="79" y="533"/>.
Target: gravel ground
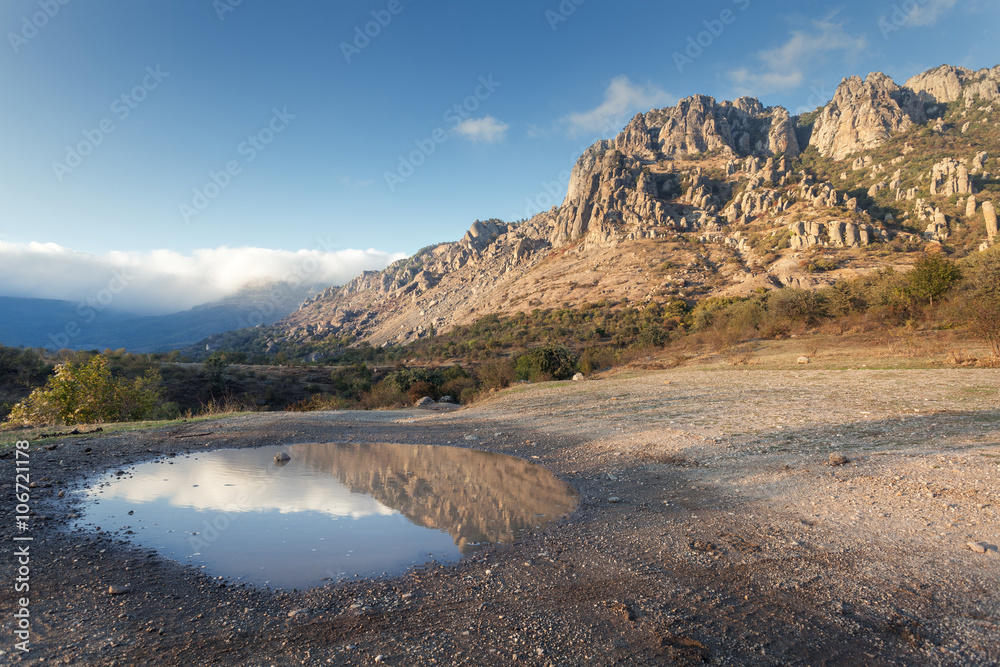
<point x="713" y="527"/>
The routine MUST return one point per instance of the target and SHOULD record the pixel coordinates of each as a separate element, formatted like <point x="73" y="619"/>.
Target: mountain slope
<point x="709" y="198"/>
<point x="62" y="324"/>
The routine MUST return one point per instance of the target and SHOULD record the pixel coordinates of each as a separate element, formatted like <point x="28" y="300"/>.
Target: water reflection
<point x="332" y="511"/>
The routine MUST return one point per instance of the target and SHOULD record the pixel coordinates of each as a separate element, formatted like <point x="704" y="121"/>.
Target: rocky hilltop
<point x="711" y="198"/>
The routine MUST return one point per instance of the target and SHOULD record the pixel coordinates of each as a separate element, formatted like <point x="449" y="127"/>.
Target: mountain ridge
<point x="709" y="199"/>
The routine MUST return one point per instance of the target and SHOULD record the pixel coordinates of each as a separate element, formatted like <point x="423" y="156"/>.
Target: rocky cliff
<point x="708" y="198"/>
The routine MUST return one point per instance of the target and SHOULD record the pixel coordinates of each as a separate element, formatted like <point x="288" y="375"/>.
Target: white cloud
<point x="164" y="281"/>
<point x="486" y="129"/>
<point x="786" y="66"/>
<point x="622" y="98"/>
<point x="929" y="11"/>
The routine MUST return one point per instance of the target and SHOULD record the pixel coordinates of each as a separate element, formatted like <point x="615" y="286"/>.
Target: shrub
<point x="455" y="387"/>
<point x="550" y="362"/>
<point x="495" y="373"/>
<point x="87" y="393"/>
<point x="931" y="277"/>
<point x="385" y="394"/>
<point x="797" y="305"/>
<point x="596" y="359"/>
<point x="420" y="389"/>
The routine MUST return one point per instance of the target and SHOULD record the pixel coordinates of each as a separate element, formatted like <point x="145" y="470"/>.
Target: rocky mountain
<point x="708" y="198"/>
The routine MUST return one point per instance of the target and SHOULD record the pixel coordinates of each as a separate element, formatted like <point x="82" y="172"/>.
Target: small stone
<point x="282" y="457"/>
<point x="838" y="460"/>
<point x="298" y="612"/>
<point x="978" y="547"/>
<point x="118" y="590"/>
<point x="614" y="499"/>
<point x="407" y="596"/>
<point x="802" y="360"/>
<point x="471" y="437"/>
<point x="579" y="377"/>
<point x="380" y="658"/>
<point x="425" y="401"/>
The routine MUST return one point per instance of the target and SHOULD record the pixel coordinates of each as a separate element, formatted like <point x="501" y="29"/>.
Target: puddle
<point x="333" y="511"/>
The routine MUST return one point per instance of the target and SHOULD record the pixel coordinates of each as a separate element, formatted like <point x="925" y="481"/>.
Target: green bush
<point x="931" y="277"/>
<point x="552" y="362"/>
<point x="797" y="305"/>
<point x="87" y="393"/>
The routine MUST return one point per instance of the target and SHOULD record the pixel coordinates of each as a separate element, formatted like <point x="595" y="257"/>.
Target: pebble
<point x="838" y="459"/>
<point x="978" y="547"/>
<point x="298" y="612"/>
<point x="117" y="590"/>
<point x="614" y="499"/>
<point x="281" y="457"/>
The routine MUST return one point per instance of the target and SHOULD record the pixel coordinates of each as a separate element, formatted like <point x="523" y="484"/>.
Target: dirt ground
<point x="712" y="529"/>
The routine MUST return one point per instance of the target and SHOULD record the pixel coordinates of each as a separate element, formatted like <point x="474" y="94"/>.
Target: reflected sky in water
<point x="333" y="511"/>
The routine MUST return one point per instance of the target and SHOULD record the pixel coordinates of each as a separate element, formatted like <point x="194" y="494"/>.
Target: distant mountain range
<point x="55" y="324"/>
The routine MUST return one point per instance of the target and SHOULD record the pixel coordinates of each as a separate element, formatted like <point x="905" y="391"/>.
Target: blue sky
<point x="140" y="129"/>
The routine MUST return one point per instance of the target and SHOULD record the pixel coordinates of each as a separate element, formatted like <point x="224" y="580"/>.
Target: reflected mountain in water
<point x="476" y="497"/>
<point x="332" y="511"/>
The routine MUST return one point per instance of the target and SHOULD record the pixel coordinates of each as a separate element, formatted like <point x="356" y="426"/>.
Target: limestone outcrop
<point x="864" y="114"/>
<point x="951" y="177"/>
<point x="699" y="124"/>
<point x="949" y="84"/>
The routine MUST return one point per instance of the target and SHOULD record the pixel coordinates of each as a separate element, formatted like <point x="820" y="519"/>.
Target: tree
<point x="932" y="276"/>
<point x="87" y="393"/>
<point x="981" y="305"/>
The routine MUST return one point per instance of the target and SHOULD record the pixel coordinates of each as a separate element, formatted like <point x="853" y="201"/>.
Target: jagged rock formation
<point x="833" y="233"/>
<point x="699" y="125"/>
<point x="715" y="195"/>
<point x="863" y="114"/>
<point x="951" y="177"/>
<point x="948" y="84"/>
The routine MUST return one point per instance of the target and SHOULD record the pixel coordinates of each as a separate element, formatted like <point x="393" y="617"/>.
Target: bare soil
<point x="712" y="529"/>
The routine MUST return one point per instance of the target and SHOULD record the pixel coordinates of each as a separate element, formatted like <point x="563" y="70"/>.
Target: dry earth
<point x="711" y="529"/>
